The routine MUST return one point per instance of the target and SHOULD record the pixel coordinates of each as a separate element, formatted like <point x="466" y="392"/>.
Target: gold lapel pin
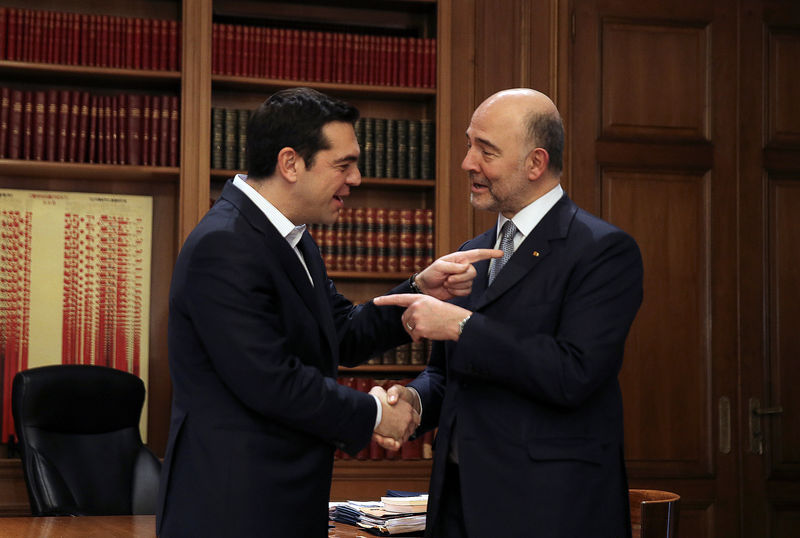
<point x="535" y="253"/>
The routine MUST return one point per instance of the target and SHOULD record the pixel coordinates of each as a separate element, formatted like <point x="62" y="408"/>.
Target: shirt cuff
<point x="419" y="400"/>
<point x="379" y="414"/>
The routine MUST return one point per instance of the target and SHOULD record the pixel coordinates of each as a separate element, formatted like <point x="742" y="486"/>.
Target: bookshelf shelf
<point x="89" y="172"/>
<point x="95" y="76"/>
<point x="375" y="276"/>
<point x="378" y="183"/>
<point x="228" y="82"/>
<point x="383" y="369"/>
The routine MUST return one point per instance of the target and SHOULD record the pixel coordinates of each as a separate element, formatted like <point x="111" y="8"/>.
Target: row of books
<point x="377" y="239"/>
<point x="416" y="449"/>
<point x="392" y="148"/>
<point x="28" y="35"/>
<point x="413" y="353"/>
<point x="84" y="127"/>
<point x="284" y="53"/>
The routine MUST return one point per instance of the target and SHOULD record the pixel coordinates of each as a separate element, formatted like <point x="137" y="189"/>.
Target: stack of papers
<point x="380" y="519"/>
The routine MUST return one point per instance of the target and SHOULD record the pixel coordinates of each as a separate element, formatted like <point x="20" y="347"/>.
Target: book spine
<point x="370" y="229"/>
<point x="173" y="31"/>
<point x="155" y="130"/>
<point x="359" y="239"/>
<point x="91" y="156"/>
<point x="144" y="138"/>
<point x="108" y="129"/>
<point x="381" y="241"/>
<point x="134" y="103"/>
<point x="5" y="109"/>
<point x="414" y="149"/>
<point x="27" y="125"/>
<point x="369" y="147"/>
<point x="101" y="129"/>
<point x="217" y="138"/>
<point x="228" y="50"/>
<point x="163" y="147"/>
<point x="74" y="118"/>
<point x="359" y="130"/>
<point x="391" y="148"/>
<point x="242" y="117"/>
<point x="393" y="241"/>
<point x="39" y="115"/>
<point x="236" y="51"/>
<point x="429" y="246"/>
<point x="230" y="142"/>
<point x="402" y="149"/>
<point x="37" y="54"/>
<point x="215" y="48"/>
<point x="83" y="127"/>
<point x="174" y="130"/>
<point x="147" y="43"/>
<point x="51" y="128"/>
<point x="75" y="39"/>
<point x="63" y="125"/>
<point x="411" y="63"/>
<point x="121" y="107"/>
<point x="380" y="148"/>
<point x="419" y="240"/>
<point x="427" y="145"/>
<point x="3" y="35"/>
<point x="113" y="105"/>
<point x="406" y="241"/>
<point x="137" y="43"/>
<point x="164" y="45"/>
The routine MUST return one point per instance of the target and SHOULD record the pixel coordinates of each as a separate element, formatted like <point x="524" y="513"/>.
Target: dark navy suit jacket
<point x="532" y="384"/>
<point x="253" y="353"/>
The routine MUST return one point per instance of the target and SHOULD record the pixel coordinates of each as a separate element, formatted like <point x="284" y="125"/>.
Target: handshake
<point x="400" y="416"/>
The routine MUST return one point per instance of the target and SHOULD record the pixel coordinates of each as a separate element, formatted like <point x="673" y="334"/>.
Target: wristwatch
<point x="462" y="323"/>
<point x="413" y="283"/>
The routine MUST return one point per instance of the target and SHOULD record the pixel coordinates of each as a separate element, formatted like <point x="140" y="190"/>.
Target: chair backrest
<point x="78" y="430"/>
<point x="654" y="513"/>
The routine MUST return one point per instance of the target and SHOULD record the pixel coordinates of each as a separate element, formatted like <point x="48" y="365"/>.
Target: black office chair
<point x="78" y="430"/>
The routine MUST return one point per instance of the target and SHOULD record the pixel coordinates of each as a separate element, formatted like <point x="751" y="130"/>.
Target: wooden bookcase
<point x="181" y="194"/>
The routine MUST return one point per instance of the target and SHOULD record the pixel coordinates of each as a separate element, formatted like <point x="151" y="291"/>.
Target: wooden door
<point x="652" y="136"/>
<point x="770" y="267"/>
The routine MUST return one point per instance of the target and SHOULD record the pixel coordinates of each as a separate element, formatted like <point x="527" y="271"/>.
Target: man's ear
<point x="536" y="163"/>
<point x="288" y="164"/>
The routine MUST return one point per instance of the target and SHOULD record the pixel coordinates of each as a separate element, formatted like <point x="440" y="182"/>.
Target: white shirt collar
<point x="285" y="227"/>
<point x="530" y="215"/>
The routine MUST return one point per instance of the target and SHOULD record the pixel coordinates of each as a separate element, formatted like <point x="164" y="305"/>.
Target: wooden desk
<point x="110" y="527"/>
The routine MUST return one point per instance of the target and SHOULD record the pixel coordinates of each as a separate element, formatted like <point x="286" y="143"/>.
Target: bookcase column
<point x="195" y="116"/>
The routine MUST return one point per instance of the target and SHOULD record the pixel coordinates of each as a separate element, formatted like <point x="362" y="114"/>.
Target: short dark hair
<point x="547" y="132"/>
<point x="293" y="118"/>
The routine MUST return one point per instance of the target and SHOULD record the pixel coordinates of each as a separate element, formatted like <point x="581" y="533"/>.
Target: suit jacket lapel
<point x="534" y="250"/>
<point x="277" y="246"/>
<point x="323" y="311"/>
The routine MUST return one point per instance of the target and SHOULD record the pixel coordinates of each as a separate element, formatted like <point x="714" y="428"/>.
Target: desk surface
<point x="110" y="527"/>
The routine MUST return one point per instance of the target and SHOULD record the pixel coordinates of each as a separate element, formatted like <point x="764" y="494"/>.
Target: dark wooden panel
<point x="784" y="86"/>
<point x="784" y="299"/>
<point x="666" y="214"/>
<point x="368" y="480"/>
<point x="654" y="80"/>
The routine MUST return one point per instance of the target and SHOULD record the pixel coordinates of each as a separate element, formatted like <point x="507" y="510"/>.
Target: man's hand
<point x="426" y="317"/>
<point x="396" y="394"/>
<point x="398" y="421"/>
<point x="452" y="275"/>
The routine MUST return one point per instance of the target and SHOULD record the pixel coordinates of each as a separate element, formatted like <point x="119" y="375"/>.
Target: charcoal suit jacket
<point x="531" y="385"/>
<point x="253" y="353"/>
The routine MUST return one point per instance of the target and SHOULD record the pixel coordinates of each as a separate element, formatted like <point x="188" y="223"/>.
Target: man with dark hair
<point x="522" y="380"/>
<point x="257" y="331"/>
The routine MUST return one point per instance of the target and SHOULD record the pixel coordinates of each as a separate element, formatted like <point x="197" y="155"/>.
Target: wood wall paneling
<point x="665" y="212"/>
<point x="784" y="311"/>
<point x="655" y="80"/>
<point x="784" y="86"/>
